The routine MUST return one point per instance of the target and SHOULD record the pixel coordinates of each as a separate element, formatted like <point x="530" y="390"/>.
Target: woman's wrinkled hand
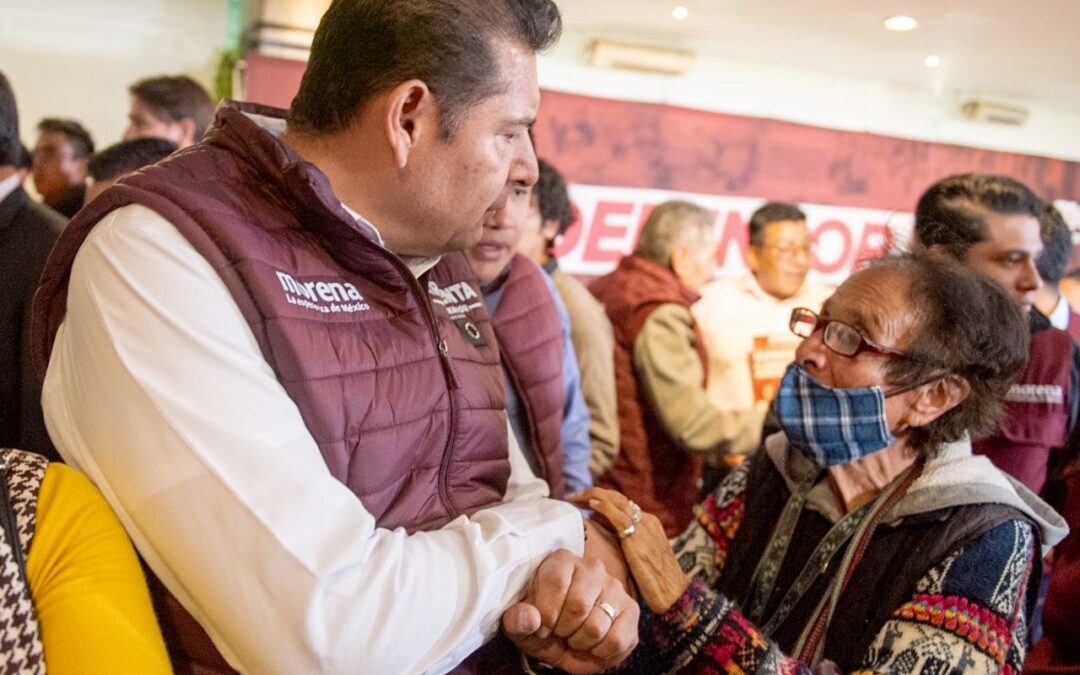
<point x="659" y="578"/>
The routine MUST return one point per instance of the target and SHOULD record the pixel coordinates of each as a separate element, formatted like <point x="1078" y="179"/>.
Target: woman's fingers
<point x="582" y="498"/>
<point x="617" y="517"/>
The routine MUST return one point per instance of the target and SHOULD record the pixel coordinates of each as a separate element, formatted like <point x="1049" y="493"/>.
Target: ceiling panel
<point x="1025" y="51"/>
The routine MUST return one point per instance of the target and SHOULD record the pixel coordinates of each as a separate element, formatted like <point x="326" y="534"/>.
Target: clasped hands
<point x="578" y="614"/>
<point x="581" y="614"/>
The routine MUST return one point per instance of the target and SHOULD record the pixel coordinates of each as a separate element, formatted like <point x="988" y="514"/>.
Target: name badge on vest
<point x="1051" y="394"/>
<point x="471" y="331"/>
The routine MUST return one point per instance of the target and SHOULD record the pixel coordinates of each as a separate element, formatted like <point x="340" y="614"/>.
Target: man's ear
<point x="549" y="229"/>
<point x="939" y="252"/>
<point x="82" y="168"/>
<point x="935" y="399"/>
<point x="411" y="114"/>
<point x="680" y="259"/>
<point x="187" y="131"/>
<point x="753" y="260"/>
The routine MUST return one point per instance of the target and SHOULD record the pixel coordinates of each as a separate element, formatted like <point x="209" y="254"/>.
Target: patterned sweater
<point x="964" y="615"/>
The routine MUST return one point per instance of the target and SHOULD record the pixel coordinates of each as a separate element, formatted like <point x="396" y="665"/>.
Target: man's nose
<point x="523" y="169"/>
<point x="1030" y="280"/>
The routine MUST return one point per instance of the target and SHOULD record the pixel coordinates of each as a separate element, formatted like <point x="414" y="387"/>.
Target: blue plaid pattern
<point x="831" y="425"/>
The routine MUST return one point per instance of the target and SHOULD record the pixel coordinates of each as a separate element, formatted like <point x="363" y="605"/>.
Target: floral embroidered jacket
<point x="957" y="604"/>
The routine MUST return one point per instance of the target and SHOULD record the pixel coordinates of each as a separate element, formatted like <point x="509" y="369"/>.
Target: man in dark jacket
<point x="27" y="233"/>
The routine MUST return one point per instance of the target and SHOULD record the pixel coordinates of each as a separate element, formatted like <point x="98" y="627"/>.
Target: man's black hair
<point x="127" y="156"/>
<point x="552" y="197"/>
<point x="951" y="214"/>
<point x="174" y="98"/>
<point x="82" y="144"/>
<point x="1057" y="251"/>
<point x="771" y="212"/>
<point x="364" y="47"/>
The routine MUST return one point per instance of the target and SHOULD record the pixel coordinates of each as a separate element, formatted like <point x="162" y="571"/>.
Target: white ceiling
<point x="1017" y="50"/>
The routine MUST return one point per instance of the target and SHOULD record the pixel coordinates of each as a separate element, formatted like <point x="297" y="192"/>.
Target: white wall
<point x="815" y="97"/>
<point x="72" y="58"/>
<point x="76" y="58"/>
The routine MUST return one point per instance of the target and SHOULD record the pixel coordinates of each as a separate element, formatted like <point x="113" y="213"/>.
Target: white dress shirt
<point x="1059" y="317"/>
<point x="158" y="391"/>
<point x="749" y="344"/>
<point x="8" y="185"/>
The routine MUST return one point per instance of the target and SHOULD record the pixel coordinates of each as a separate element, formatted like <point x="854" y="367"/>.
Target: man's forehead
<point x="787" y="229"/>
<point x="1013" y="230"/>
<point x="52" y="139"/>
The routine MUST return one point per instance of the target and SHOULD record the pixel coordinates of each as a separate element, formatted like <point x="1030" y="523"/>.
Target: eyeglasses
<point x="837" y="336"/>
<point x="789" y="251"/>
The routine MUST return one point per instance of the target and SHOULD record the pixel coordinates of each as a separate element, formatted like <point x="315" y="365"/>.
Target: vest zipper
<point x="452" y="385"/>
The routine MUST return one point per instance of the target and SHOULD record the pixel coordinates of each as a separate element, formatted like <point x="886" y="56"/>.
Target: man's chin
<point x="470" y="238"/>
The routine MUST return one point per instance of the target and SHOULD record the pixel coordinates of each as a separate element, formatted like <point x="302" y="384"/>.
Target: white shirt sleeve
<point x="158" y="391"/>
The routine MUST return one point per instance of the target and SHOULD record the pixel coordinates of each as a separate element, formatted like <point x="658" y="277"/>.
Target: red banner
<point x="626" y="144"/>
<point x="622" y="158"/>
<point x="610" y="219"/>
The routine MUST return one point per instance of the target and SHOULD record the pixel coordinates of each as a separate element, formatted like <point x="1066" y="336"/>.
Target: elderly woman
<point x="866" y="537"/>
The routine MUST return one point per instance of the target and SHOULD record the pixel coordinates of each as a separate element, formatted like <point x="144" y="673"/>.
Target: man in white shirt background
<point x="260" y="350"/>
<point x="744" y="321"/>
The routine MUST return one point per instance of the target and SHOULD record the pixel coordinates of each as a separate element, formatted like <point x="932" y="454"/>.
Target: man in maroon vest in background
<point x="251" y="349"/>
<point x="544" y="401"/>
<point x="992" y="223"/>
<point x="666" y="423"/>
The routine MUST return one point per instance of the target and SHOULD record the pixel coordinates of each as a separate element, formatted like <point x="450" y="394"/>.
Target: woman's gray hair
<point x="669" y="225"/>
<point x="966" y="325"/>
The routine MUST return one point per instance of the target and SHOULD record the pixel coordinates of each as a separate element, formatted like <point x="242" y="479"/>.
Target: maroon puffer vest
<point x="334" y="315"/>
<point x="1036" y="415"/>
<point x="652" y="469"/>
<point x="531" y="343"/>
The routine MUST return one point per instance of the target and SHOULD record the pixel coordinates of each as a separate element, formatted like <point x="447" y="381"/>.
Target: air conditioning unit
<point x="607" y="54"/>
<point x="982" y="110"/>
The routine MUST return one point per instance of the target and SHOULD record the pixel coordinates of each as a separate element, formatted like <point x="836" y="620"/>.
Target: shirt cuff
<point x="547" y="525"/>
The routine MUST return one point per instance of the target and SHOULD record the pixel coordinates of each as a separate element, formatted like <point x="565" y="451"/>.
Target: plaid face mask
<point x="831" y="425"/>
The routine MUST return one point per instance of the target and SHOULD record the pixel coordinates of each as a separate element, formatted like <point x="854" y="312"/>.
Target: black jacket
<point x="27" y="233"/>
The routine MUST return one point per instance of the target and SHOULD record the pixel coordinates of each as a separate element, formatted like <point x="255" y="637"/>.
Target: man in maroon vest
<point x="544" y="402"/>
<point x="666" y="423"/>
<point x="251" y="348"/>
<point x="992" y="224"/>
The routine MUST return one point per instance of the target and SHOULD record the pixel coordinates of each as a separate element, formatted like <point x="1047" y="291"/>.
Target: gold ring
<point x="627" y="531"/>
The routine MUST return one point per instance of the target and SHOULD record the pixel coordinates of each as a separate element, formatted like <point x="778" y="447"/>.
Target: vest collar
<point x="256" y="130"/>
<point x="640" y="265"/>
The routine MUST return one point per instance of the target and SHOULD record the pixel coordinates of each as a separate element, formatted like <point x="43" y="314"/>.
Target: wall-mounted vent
<point x="607" y="54"/>
<point x="982" y="110"/>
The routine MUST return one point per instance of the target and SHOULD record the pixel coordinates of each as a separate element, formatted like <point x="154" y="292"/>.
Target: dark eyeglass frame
<point x="804" y="315"/>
